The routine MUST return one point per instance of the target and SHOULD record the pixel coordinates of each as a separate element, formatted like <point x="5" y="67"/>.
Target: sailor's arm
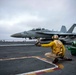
<point x="46" y="45"/>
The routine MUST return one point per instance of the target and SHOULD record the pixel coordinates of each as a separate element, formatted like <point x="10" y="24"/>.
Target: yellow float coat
<point x="57" y="47"/>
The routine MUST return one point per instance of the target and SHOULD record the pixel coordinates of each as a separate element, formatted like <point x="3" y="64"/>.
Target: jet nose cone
<point x="16" y="35"/>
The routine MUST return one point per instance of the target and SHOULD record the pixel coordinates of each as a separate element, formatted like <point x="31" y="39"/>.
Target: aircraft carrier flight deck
<point x="24" y="58"/>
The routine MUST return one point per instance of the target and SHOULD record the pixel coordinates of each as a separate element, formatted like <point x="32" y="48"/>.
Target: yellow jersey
<point x="57" y="47"/>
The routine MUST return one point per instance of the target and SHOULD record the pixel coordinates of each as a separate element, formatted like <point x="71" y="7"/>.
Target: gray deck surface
<point x="23" y="66"/>
<point x="10" y="67"/>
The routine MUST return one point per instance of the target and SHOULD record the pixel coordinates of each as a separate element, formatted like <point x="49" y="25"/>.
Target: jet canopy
<point x="37" y="29"/>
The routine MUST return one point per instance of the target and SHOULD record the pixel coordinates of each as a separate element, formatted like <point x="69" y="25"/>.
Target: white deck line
<point x="40" y="70"/>
<point x="32" y="57"/>
<point x="17" y="45"/>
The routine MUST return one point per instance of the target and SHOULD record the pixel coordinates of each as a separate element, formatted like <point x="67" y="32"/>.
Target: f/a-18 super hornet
<point x="45" y="33"/>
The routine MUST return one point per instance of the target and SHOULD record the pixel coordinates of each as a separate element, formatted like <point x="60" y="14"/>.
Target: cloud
<point x="20" y="15"/>
<point x="19" y="20"/>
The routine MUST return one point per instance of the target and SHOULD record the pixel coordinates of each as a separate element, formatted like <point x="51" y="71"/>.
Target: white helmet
<point x="55" y="37"/>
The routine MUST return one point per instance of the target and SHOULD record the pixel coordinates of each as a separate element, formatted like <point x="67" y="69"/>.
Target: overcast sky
<point x="20" y="15"/>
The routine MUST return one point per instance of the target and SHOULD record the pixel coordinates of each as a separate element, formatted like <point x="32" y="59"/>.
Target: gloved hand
<point x="38" y="44"/>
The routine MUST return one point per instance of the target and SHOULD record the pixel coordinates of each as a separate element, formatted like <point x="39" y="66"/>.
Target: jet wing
<point x="57" y="33"/>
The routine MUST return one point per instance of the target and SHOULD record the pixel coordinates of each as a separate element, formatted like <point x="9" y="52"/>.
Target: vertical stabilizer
<point x="63" y="29"/>
<point x="71" y="28"/>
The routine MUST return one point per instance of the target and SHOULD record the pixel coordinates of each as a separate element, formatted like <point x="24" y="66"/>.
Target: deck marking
<point x="38" y="72"/>
<point x="17" y="45"/>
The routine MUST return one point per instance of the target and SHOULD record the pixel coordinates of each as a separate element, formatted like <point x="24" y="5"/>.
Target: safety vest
<point x="59" y="49"/>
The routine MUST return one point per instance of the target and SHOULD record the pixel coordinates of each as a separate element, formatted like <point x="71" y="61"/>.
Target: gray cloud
<point x="20" y="15"/>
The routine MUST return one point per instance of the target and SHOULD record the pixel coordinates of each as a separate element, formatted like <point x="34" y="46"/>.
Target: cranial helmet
<point x="55" y="37"/>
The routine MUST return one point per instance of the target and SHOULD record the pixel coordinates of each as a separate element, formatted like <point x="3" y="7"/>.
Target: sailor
<point x="58" y="49"/>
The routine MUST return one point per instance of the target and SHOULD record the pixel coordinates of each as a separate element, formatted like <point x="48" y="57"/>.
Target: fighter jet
<point x="45" y="33"/>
